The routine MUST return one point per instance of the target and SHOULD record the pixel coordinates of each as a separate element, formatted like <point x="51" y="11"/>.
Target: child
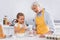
<point x="2" y="35"/>
<point x="20" y="27"/>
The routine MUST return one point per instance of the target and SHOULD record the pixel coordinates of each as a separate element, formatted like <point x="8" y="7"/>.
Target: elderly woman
<point x="43" y="23"/>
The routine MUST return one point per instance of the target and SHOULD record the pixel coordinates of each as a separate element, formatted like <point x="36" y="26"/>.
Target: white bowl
<point x="20" y="35"/>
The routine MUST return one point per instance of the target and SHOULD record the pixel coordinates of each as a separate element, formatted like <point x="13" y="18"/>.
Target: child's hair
<point x="19" y="14"/>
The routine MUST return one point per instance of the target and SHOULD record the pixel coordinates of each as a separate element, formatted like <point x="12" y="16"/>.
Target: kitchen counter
<point x="24" y="38"/>
<point x="8" y="30"/>
<point x="14" y="37"/>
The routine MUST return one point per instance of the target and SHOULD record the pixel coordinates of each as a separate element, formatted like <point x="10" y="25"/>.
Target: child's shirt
<point x="20" y="28"/>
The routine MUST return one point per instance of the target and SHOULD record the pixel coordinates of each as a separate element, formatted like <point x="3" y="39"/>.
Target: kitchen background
<point x="11" y="7"/>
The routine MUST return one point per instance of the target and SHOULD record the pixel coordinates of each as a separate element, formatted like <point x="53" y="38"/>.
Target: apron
<point x="41" y="27"/>
<point x="2" y="35"/>
<point x="22" y="30"/>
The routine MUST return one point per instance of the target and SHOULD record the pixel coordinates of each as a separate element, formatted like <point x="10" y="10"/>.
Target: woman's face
<point x="35" y="9"/>
<point x="21" y="19"/>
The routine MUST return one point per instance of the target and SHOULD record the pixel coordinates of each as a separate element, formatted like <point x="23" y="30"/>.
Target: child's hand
<point x="24" y="27"/>
<point x="30" y="32"/>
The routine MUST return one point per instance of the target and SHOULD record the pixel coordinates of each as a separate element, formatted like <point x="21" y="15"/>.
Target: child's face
<point x="21" y="19"/>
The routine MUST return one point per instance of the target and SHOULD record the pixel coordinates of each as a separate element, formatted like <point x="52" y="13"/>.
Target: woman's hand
<point x="50" y="32"/>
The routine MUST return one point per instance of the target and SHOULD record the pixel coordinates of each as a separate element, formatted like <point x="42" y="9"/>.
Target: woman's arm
<point x="49" y="22"/>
